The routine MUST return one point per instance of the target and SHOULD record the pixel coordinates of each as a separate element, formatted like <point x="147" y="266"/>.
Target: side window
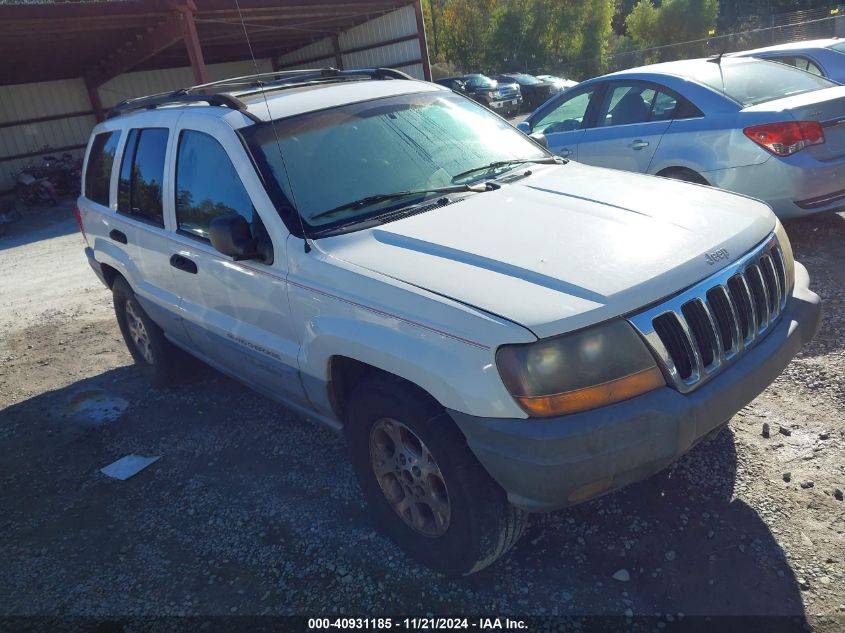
<point x="627" y="104"/>
<point x="100" y="162"/>
<point x="207" y="185"/>
<point x="570" y="114"/>
<point x="664" y="108"/>
<point x="804" y="63"/>
<point x="142" y="175"/>
<point x="687" y="110"/>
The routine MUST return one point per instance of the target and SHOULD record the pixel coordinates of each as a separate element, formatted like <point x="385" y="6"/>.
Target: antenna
<point x="261" y="84"/>
<point x="718" y="61"/>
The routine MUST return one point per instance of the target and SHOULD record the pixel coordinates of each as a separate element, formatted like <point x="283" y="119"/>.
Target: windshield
<point x="525" y="80"/>
<point x="405" y="143"/>
<point x="480" y="81"/>
<point x="754" y="81"/>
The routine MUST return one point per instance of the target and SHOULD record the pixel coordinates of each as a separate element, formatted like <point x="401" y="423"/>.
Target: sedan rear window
<point x="752" y="82"/>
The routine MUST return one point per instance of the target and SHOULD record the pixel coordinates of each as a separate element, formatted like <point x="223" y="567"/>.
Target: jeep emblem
<point x="715" y="256"/>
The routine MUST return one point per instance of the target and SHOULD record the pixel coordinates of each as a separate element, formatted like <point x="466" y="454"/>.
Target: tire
<point x="46" y="194"/>
<point x="25" y="194"/>
<point x="462" y="520"/>
<point x="687" y="175"/>
<point x="153" y="354"/>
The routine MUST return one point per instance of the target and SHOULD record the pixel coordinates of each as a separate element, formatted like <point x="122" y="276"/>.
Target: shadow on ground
<point x="39" y="223"/>
<point x="252" y="510"/>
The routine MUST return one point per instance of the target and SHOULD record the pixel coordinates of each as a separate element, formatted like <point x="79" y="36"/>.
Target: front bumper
<point x="506" y="105"/>
<point x="546" y="464"/>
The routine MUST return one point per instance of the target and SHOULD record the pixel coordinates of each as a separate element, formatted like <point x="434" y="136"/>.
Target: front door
<point x="563" y="122"/>
<point x="236" y="312"/>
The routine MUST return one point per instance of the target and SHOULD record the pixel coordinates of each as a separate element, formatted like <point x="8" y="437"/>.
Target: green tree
<point x="464" y="29"/>
<point x="673" y="21"/>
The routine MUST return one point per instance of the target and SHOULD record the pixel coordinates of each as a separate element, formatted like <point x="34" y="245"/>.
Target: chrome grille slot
<point x="759" y="295"/>
<point x="725" y="318"/>
<point x="669" y="330"/>
<point x="744" y="306"/>
<point x="701" y="329"/>
<point x="699" y="332"/>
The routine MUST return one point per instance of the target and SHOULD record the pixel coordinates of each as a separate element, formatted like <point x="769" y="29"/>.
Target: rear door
<point x="630" y="123"/>
<point x="142" y="224"/>
<point x="236" y="312"/>
<point x="563" y="120"/>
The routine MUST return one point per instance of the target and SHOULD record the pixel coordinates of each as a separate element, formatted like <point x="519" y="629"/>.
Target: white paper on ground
<point x="126" y="467"/>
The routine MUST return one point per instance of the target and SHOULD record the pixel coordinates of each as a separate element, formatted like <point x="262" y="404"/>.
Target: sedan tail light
<point x="784" y="139"/>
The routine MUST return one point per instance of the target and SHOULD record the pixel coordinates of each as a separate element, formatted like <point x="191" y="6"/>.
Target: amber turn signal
<point x="593" y="397"/>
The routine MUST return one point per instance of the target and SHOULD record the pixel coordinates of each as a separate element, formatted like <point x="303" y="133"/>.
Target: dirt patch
<point x="253" y="509"/>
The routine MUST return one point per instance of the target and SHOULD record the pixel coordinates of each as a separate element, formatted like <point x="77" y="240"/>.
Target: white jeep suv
<point x="497" y="331"/>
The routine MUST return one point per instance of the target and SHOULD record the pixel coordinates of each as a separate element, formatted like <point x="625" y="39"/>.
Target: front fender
<point x="459" y="376"/>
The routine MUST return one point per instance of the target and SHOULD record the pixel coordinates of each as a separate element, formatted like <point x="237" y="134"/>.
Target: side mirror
<point x="524" y="127"/>
<point x="541" y="139"/>
<point x="230" y="234"/>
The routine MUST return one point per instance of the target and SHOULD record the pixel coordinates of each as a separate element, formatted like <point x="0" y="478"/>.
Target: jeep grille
<point x="706" y="328"/>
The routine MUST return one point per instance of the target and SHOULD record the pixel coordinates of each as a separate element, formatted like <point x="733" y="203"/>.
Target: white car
<point x="495" y="330"/>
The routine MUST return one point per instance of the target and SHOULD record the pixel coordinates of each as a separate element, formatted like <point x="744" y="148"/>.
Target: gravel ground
<point x="253" y="509"/>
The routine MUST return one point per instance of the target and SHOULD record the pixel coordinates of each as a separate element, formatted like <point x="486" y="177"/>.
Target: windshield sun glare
<point x="410" y="142"/>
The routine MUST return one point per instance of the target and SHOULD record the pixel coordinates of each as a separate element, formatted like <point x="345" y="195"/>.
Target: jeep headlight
<point x="788" y="258"/>
<point x="575" y="372"/>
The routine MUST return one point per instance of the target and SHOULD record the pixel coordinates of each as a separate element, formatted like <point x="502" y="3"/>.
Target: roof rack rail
<point x="215" y="93"/>
<point x="282" y="77"/>
<point x="173" y="98"/>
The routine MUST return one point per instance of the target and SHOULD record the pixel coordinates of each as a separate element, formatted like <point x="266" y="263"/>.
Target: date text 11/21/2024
<point x="385" y="624"/>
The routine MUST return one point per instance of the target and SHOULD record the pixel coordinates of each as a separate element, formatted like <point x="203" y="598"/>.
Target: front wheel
<point x="423" y="484"/>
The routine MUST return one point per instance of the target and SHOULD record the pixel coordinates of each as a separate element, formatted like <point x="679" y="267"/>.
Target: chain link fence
<point x="768" y="31"/>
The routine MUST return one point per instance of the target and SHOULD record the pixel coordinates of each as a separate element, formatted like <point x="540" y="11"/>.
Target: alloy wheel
<point x="409" y="477"/>
<point x="138" y="333"/>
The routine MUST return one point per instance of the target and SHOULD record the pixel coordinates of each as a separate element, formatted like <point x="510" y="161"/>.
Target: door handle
<point x="183" y="263"/>
<point x="118" y="236"/>
<point x="638" y="144"/>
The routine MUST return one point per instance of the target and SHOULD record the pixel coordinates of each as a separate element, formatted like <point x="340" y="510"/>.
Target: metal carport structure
<point x="64" y="64"/>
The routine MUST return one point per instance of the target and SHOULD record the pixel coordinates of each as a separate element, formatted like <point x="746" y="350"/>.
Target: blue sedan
<point x="758" y="128"/>
<point x="825" y="58"/>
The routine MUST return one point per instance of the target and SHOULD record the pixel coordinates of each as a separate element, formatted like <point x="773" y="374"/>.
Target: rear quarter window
<point x="100" y="163"/>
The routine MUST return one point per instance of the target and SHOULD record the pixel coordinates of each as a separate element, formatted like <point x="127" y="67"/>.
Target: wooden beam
<point x="96" y="103"/>
<point x="338" y="58"/>
<point x="192" y="43"/>
<point x="151" y="42"/>
<point x="423" y="42"/>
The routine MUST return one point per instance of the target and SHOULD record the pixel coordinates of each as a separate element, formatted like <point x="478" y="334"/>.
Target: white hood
<point x="568" y="247"/>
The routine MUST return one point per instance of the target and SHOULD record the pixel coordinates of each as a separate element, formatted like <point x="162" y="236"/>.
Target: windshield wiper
<point x="549" y="160"/>
<point x="383" y="197"/>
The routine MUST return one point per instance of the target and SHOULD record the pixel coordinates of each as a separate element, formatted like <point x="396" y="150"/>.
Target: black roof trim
<point x="217" y="93"/>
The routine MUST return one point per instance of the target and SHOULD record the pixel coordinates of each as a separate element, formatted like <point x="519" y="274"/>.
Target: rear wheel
<point x="25" y="194"/>
<point x="422" y="483"/>
<point x="150" y="350"/>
